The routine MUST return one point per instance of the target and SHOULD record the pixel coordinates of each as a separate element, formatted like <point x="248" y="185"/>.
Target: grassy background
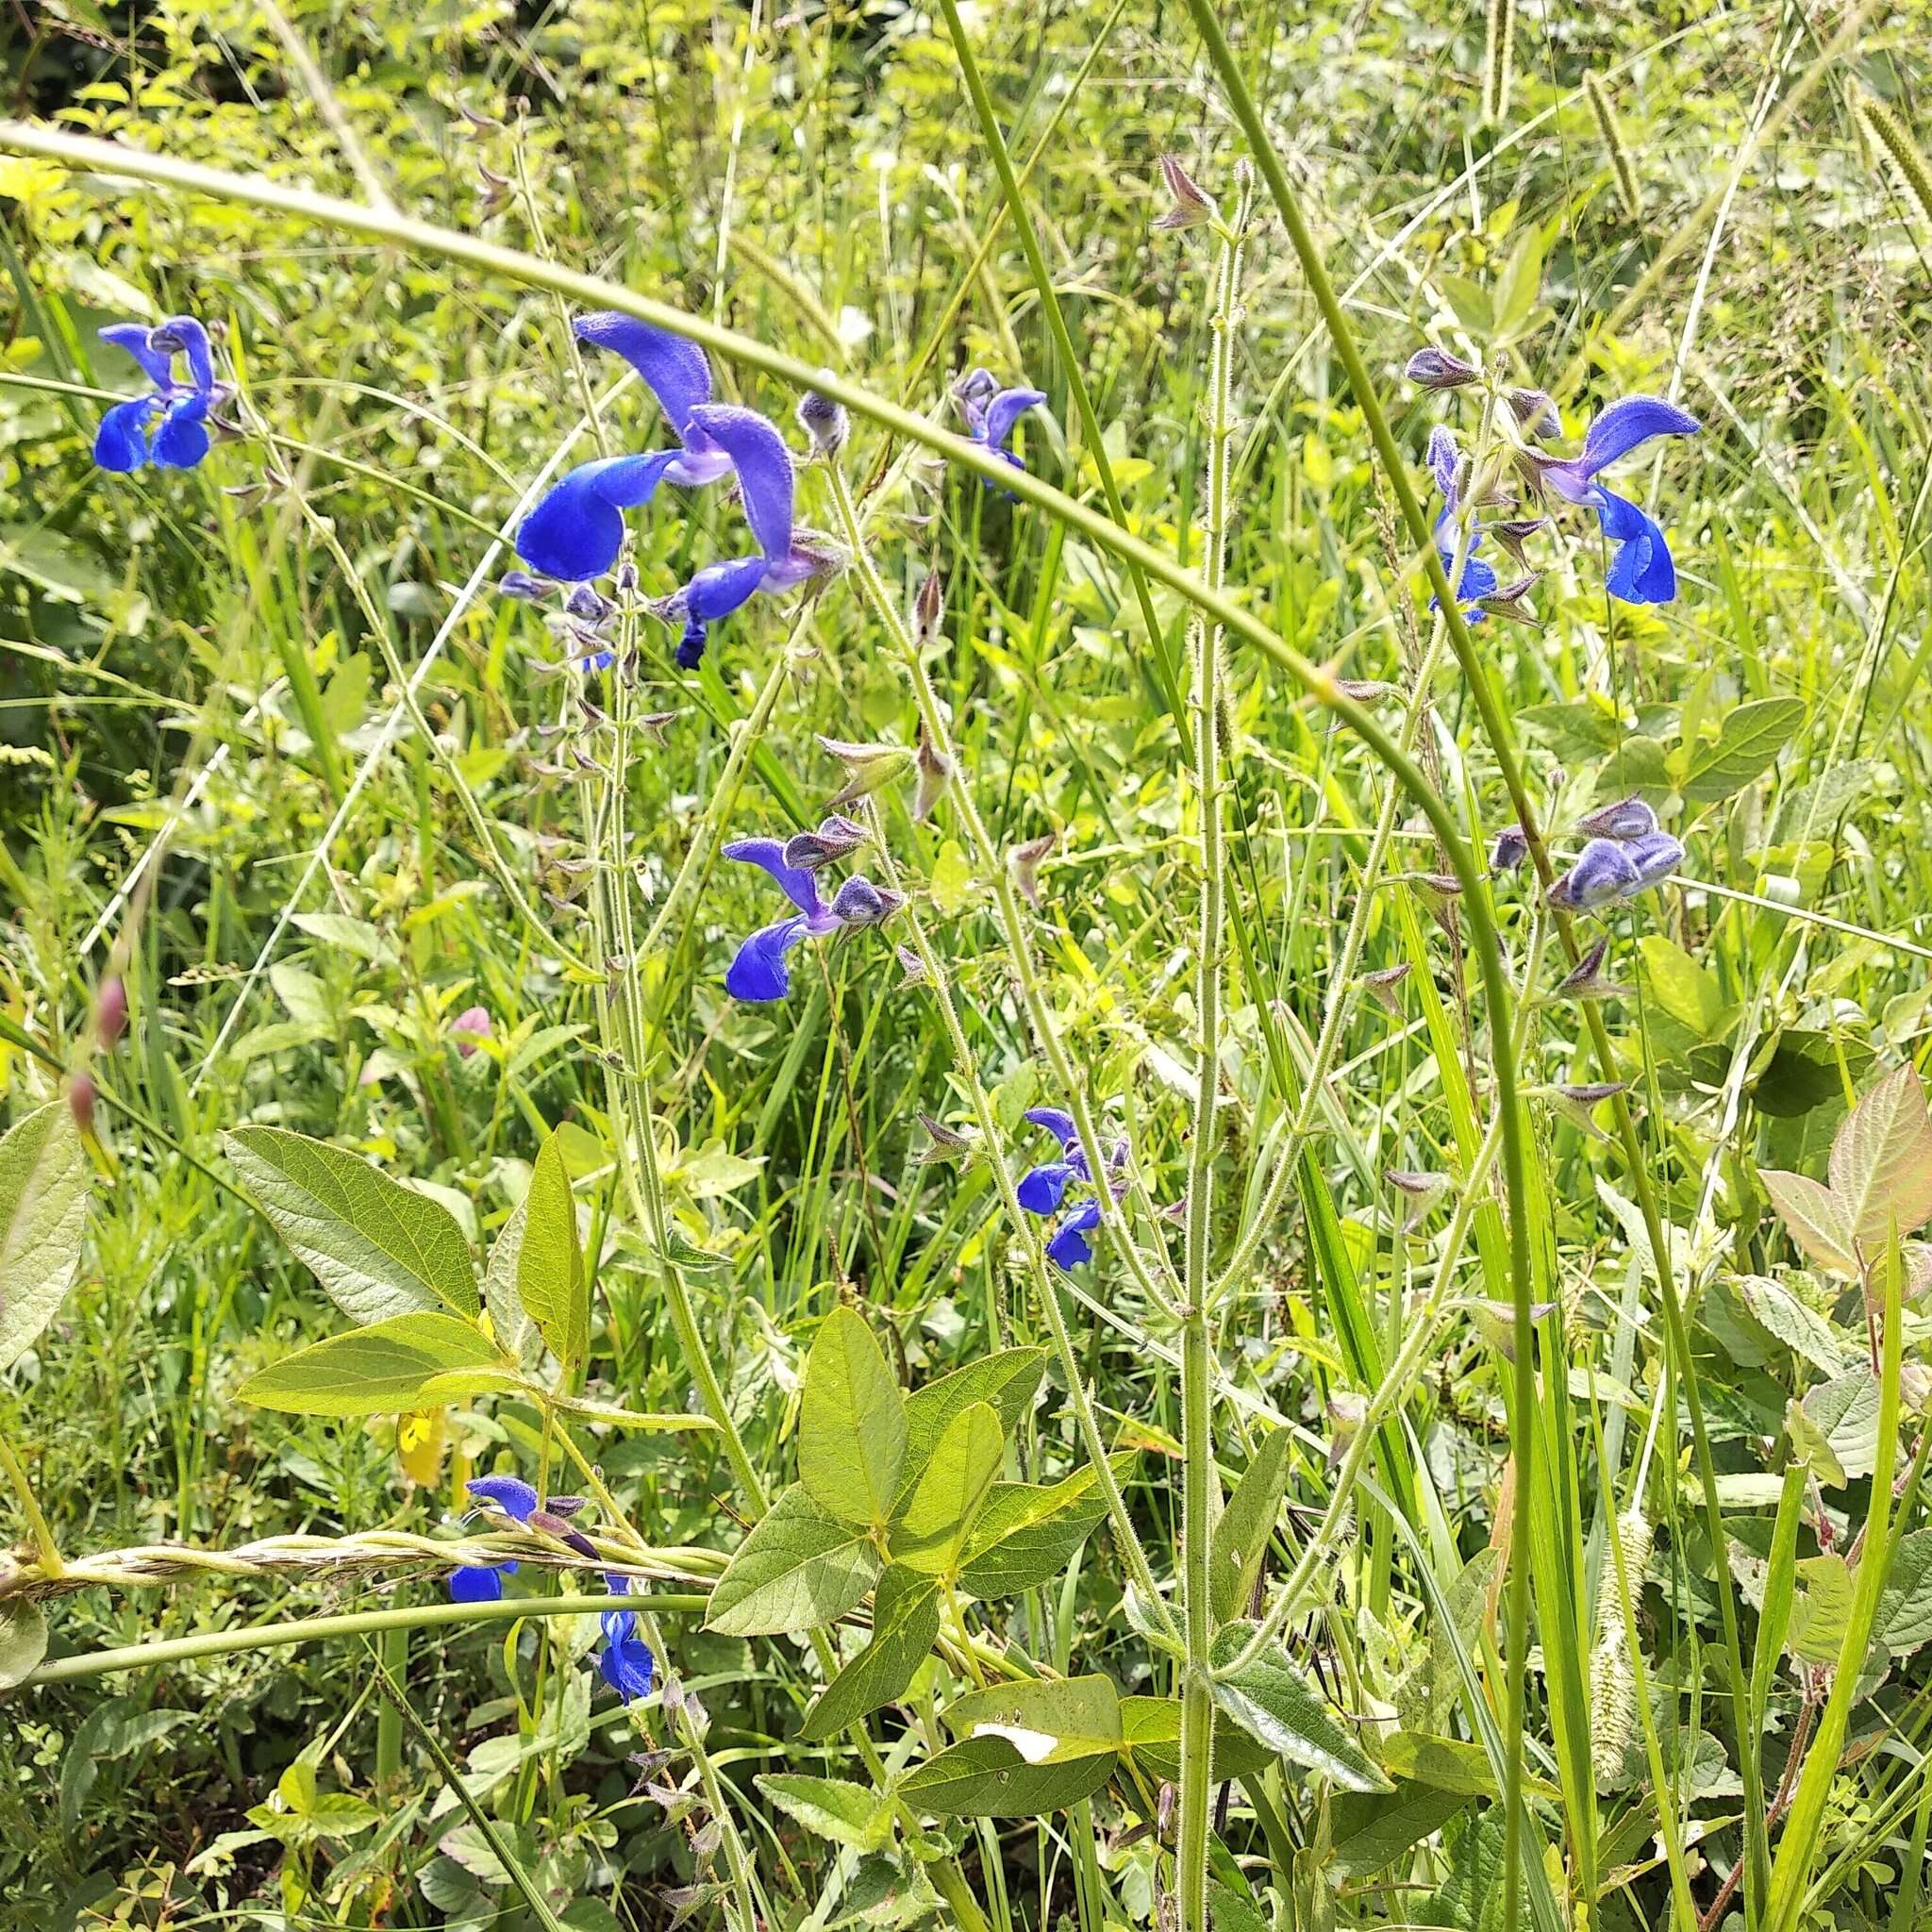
<point x="818" y="183"/>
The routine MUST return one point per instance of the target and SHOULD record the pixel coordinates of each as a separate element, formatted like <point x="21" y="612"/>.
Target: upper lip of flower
<point x="122" y="441"/>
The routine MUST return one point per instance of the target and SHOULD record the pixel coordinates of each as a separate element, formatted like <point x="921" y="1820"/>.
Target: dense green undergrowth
<point x="753" y="1278"/>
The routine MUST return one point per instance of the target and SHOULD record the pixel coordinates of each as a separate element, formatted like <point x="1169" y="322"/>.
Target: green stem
<point x="48" y="1550"/>
<point x="174" y="1650"/>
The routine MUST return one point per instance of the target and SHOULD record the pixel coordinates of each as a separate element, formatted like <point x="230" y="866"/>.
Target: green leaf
<point x="1747" y="743"/>
<point x="1472" y="307"/>
<point x="797" y="1570"/>
<point x="1835" y="1428"/>
<point x="1008" y="1380"/>
<point x="1269" y="1700"/>
<point x="848" y="1814"/>
<point x="1794" y="1323"/>
<point x="1370" y="1830"/>
<point x="1451" y="1764"/>
<point x="905" y="1625"/>
<point x="378" y="1248"/>
<point x="1026" y="1534"/>
<point x="22" y="1641"/>
<point x="43" y="1188"/>
<point x="550" y="1264"/>
<point x="1815" y="1218"/>
<point x="1151" y="1741"/>
<point x="1240" y="1535"/>
<point x="1905" y="1611"/>
<point x="381" y="1369"/>
<point x="931" y="1529"/>
<point x="1822" y="1612"/>
<point x="356" y="936"/>
<point x="1024" y="1749"/>
<point x="509" y="1321"/>
<point x="851" y="1423"/>
<point x="1881" y="1162"/>
<point x="1688" y="992"/>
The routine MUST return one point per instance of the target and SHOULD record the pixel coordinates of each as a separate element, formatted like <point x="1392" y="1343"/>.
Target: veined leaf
<point x="1881" y="1162"/>
<point x="799" y="1569"/>
<point x="550" y="1264"/>
<point x="905" y="1625"/>
<point x="1795" y="1324"/>
<point x="44" y="1187"/>
<point x="378" y="1248"/>
<point x="1747" y="745"/>
<point x="1370" y="1830"/>
<point x="1151" y="1739"/>
<point x="1835" y="1427"/>
<point x="22" y="1641"/>
<point x="382" y="1369"/>
<point x="1027" y="1534"/>
<point x="1008" y="1380"/>
<point x="833" y="1807"/>
<point x="1241" y="1535"/>
<point x="1023" y="1749"/>
<point x="931" y="1529"/>
<point x="1816" y="1220"/>
<point x="1269" y="1700"/>
<point x="851" y="1423"/>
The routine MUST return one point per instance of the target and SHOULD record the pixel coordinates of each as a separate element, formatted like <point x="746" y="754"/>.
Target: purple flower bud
<point x="859" y="902"/>
<point x="1510" y="849"/>
<point x="468" y="1028"/>
<point x="1534" y="412"/>
<point x="824" y="421"/>
<point x="80" y="1100"/>
<point x="589" y="606"/>
<point x="1382" y="987"/>
<point x="1604" y="871"/>
<point x="1434" y="368"/>
<point x="1585" y="981"/>
<point x="1630" y="818"/>
<point x="1656" y="855"/>
<point x="929" y="608"/>
<point x="523" y="587"/>
<point x="1024" y="862"/>
<point x="111" y="1011"/>
<point x="834" y="837"/>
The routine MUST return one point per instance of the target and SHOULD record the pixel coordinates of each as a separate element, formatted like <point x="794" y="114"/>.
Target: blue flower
<point x="1641" y="570"/>
<point x="482" y="1583"/>
<point x="1042" y="1190"/>
<point x="625" y="1660"/>
<point x="786" y="558"/>
<point x="575" y="532"/>
<point x="1608" y="870"/>
<point x="122" y="442"/>
<point x="991" y="412"/>
<point x="1478" y="579"/>
<point x="759" y="970"/>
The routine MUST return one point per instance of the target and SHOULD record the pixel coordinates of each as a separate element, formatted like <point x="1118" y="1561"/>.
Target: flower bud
<point x="1510" y="849"/>
<point x="1656" y="855"/>
<point x="521" y="584"/>
<point x="934" y="774"/>
<point x="1512" y="532"/>
<point x="1630" y="818"/>
<point x="1576" y="1101"/>
<point x="948" y="1144"/>
<point x="929" y="608"/>
<point x="1433" y="368"/>
<point x="80" y="1101"/>
<point x="1534" y="412"/>
<point x="1419" y="1192"/>
<point x="1382" y="985"/>
<point x="1603" y="871"/>
<point x="1587" y="981"/>
<point x="834" y="837"/>
<point x="1188" y="205"/>
<point x="867" y="767"/>
<point x="824" y="421"/>
<point x="910" y="965"/>
<point x="468" y="1028"/>
<point x="111" y="1011"/>
<point x="859" y="902"/>
<point x="1024" y="862"/>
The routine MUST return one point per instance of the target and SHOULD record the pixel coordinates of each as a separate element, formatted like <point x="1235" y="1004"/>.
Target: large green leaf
<point x="1027" y="1534"/>
<point x="1450" y="1764"/>
<point x="945" y="1501"/>
<point x="1905" y="1611"/>
<point x="1269" y="1701"/>
<point x="409" y="1361"/>
<point x="43" y="1182"/>
<point x="851" y="1423"/>
<point x="1747" y="743"/>
<point x="904" y="1623"/>
<point x="1881" y="1162"/>
<point x="1370" y="1830"/>
<point x="1240" y="1535"/>
<point x="1023" y="1749"/>
<point x="550" y="1264"/>
<point x="846" y="1813"/>
<point x="1008" y="1380"/>
<point x="378" y="1248"/>
<point x="1151" y="1739"/>
<point x="799" y="1569"/>
<point x="1835" y="1428"/>
<point x="22" y="1641"/>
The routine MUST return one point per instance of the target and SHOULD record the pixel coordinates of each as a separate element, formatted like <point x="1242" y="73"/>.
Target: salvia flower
<point x="759" y="970"/>
<point x="1478" y="579"/>
<point x="1510" y="849"/>
<point x="575" y="532"/>
<point x="482" y="1583"/>
<point x="1433" y="368"/>
<point x="1641" y="570"/>
<point x="625" y="1660"/>
<point x="1042" y="1190"/>
<point x="991" y="412"/>
<point x="1607" y="871"/>
<point x="180" y="439"/>
<point x="787" y="557"/>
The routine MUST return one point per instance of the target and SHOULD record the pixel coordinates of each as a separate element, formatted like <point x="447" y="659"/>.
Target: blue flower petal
<point x="511" y="1493"/>
<point x="1040" y="1192"/>
<point x="628" y="1665"/>
<point x="1627" y="423"/>
<point x="475" y="1583"/>
<point x="133" y="337"/>
<point x="720" y="588"/>
<point x="121" y="442"/>
<point x="1070" y="1248"/>
<point x="1442" y="459"/>
<point x="1006" y="409"/>
<point x="577" y="531"/>
<point x="763" y="464"/>
<point x="759" y="971"/>
<point x="1656" y="855"/>
<point x="1603" y="871"/>
<point x="797" y="884"/>
<point x="182" y="440"/>
<point x="1641" y="570"/>
<point x="677" y="370"/>
<point x="183" y="333"/>
<point x="1059" y="1125"/>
